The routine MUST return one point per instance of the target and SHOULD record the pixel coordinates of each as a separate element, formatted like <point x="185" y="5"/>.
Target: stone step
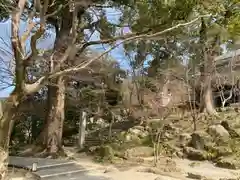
<point x="68" y="170"/>
<point x="22" y="162"/>
<point x="54" y="169"/>
<point x="62" y="164"/>
<point x="75" y="176"/>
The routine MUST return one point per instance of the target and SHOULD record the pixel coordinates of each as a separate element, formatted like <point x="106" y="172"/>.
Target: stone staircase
<point x="97" y="137"/>
<point x="53" y="169"/>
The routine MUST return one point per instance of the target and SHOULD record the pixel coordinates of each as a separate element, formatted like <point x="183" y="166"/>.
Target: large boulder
<point x="199" y="140"/>
<point x="237" y="130"/>
<point x="219" y="132"/>
<point x="224" y="150"/>
<point x="168" y="132"/>
<point x="195" y="176"/>
<point x="141" y="151"/>
<point x="229" y="162"/>
<point x="171" y="150"/>
<point x="137" y="131"/>
<point x="171" y="127"/>
<point x="130" y="137"/>
<point x="195" y="154"/>
<point x="184" y="139"/>
<point x="106" y="152"/>
<point x="218" y="151"/>
<point x="233" y="132"/>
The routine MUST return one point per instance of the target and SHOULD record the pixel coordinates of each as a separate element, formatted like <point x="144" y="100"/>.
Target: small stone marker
<point x="34" y="167"/>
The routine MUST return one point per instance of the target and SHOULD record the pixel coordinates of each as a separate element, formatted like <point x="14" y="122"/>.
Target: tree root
<point x="31" y="151"/>
<point x="40" y="152"/>
<point x="46" y="154"/>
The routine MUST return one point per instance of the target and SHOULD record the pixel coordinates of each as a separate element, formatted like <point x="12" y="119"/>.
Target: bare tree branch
<point x="41" y="82"/>
<point x="19" y="43"/>
<point x="138" y="35"/>
<point x="59" y="8"/>
<point x="30" y="26"/>
<point x="39" y="32"/>
<point x="16" y="45"/>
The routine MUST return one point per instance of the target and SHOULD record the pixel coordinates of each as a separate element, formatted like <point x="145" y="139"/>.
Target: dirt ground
<point x="182" y="169"/>
<point x="178" y="169"/>
<point x="21" y="174"/>
<point x="197" y="170"/>
<point x="167" y="169"/>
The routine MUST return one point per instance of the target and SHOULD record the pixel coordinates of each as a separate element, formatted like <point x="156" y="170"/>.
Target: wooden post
<point x="82" y="130"/>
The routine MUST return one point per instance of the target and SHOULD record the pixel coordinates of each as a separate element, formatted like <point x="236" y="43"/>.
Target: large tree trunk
<point x="52" y="132"/>
<point x="8" y="112"/>
<point x="206" y="72"/>
<point x="51" y="136"/>
<point x="208" y="99"/>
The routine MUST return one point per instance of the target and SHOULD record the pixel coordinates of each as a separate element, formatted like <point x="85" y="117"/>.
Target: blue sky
<point x="5" y="47"/>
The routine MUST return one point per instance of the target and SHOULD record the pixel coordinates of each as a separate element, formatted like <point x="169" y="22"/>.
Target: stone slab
<point x="26" y="162"/>
<point x="54" y="169"/>
<point x="60" y="170"/>
<point x="76" y="176"/>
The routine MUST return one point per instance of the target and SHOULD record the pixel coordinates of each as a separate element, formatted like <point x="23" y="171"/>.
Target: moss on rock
<point x="106" y="152"/>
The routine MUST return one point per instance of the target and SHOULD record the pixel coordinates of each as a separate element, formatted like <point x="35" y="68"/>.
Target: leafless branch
<point x="58" y="9"/>
<point x="141" y="35"/>
<point x="29" y="88"/>
<point x="220" y="86"/>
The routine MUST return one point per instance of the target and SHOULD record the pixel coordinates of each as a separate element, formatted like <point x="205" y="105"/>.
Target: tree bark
<point x="52" y="133"/>
<point x="206" y="72"/>
<point x="206" y="103"/>
<point x="8" y="112"/>
<point x="51" y="136"/>
<point x="208" y="99"/>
